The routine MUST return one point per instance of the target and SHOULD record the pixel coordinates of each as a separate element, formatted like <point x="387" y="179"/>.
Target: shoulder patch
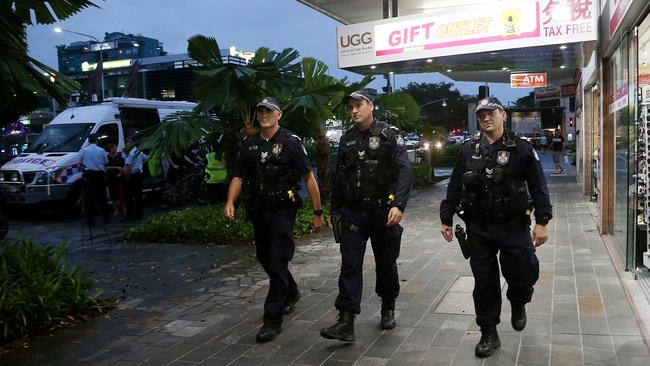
<point x="297" y="137"/>
<point x="399" y="140"/>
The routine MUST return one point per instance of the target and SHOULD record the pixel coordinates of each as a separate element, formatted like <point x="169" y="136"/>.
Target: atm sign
<point x="528" y="80"/>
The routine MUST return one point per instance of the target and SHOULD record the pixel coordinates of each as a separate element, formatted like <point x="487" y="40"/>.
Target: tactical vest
<point x="271" y="181"/>
<point x="366" y="168"/>
<point x="215" y="170"/>
<point x="493" y="190"/>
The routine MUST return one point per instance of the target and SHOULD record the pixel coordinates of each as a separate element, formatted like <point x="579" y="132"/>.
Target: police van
<point x="49" y="170"/>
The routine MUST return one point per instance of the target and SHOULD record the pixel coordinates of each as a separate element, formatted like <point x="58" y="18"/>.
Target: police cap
<point x="489" y="103"/>
<point x="358" y="95"/>
<point x="270" y="103"/>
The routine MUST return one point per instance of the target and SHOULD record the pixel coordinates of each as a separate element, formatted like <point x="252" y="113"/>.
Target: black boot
<point x="489" y="341"/>
<point x="388" y="314"/>
<point x="343" y="330"/>
<point x="518" y="319"/>
<point x="270" y="329"/>
<point x="291" y="304"/>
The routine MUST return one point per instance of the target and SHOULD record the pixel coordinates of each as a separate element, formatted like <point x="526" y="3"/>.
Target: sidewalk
<point x="579" y="314"/>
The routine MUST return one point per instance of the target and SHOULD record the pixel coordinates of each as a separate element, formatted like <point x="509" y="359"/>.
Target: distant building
<point x="138" y="64"/>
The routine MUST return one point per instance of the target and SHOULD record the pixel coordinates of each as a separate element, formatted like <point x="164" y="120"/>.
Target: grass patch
<point x="39" y="293"/>
<point x="206" y="225"/>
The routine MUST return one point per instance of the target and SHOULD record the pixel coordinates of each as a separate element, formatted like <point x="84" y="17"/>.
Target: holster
<point x="460" y="234"/>
<point x="337" y="227"/>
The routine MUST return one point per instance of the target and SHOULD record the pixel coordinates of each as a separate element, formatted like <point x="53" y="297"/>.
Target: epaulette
<point x="297" y="138"/>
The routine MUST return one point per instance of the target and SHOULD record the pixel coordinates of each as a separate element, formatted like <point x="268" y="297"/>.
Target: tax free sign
<point x="471" y="29"/>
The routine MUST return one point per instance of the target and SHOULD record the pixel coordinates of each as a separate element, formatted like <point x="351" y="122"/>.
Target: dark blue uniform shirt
<point x="523" y="158"/>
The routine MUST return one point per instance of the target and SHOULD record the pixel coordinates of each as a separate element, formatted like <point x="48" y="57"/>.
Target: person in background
<point x="114" y="177"/>
<point x="93" y="162"/>
<point x="557" y="148"/>
<point x="133" y="174"/>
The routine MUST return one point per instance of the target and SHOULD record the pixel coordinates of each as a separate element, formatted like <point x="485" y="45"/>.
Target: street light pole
<point x="101" y="50"/>
<point x="443" y="100"/>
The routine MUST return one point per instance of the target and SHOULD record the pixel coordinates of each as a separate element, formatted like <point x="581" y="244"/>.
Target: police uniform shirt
<point x="135" y="159"/>
<point x="524" y="161"/>
<point x="255" y="148"/>
<point x="401" y="166"/>
<point x="94" y="158"/>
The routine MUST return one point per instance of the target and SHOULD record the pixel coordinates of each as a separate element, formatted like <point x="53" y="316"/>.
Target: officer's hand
<point x="540" y="235"/>
<point x="229" y="211"/>
<point x="447" y="233"/>
<point x="329" y="223"/>
<point x="394" y="216"/>
<point x="318" y="222"/>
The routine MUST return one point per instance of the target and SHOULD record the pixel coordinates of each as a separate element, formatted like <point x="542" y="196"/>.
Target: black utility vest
<point x="366" y="170"/>
<point x="269" y="172"/>
<point x="493" y="188"/>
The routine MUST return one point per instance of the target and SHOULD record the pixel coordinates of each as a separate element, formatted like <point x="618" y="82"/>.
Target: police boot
<point x="343" y="330"/>
<point x="270" y="329"/>
<point x="388" y="314"/>
<point x="518" y="318"/>
<point x="489" y="341"/>
<point x="291" y="304"/>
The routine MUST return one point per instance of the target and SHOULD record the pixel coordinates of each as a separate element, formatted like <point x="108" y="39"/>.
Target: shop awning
<point x="466" y="40"/>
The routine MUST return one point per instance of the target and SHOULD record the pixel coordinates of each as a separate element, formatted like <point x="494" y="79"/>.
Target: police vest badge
<point x="503" y="157"/>
<point x="277" y="149"/>
<point x="263" y="156"/>
<point x="373" y="142"/>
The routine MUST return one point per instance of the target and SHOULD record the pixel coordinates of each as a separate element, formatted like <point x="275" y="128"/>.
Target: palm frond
<point x="48" y="11"/>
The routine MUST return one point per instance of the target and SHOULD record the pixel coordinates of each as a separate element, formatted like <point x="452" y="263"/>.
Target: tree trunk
<point x="323" y="165"/>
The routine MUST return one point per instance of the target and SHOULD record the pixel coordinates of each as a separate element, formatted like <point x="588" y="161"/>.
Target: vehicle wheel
<point x="4" y="226"/>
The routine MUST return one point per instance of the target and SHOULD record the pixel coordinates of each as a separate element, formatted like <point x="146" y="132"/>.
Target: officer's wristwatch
<point x="542" y="220"/>
<point x="318" y="212"/>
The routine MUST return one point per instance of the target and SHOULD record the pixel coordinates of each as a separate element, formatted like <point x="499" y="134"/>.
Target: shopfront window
<point x="618" y="106"/>
<point x="642" y="114"/>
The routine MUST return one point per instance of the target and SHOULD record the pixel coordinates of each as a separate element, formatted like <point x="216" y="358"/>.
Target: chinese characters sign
<point x="462" y="30"/>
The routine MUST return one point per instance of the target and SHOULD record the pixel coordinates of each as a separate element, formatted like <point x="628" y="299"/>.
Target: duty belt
<point x="367" y="203"/>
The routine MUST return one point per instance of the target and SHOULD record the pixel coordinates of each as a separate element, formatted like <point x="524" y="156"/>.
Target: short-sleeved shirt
<point x="94" y="158"/>
<point x="557" y="143"/>
<point x="253" y="148"/>
<point x="135" y="159"/>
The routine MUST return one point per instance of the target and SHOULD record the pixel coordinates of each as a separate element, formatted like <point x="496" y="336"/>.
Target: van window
<point x="108" y="134"/>
<point x="66" y="137"/>
<point x="137" y="119"/>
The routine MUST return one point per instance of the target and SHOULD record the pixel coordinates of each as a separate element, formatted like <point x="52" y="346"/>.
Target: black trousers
<point x="358" y="227"/>
<point x="273" y="232"/>
<point x="511" y="241"/>
<point x="133" y="196"/>
<point x="95" y="195"/>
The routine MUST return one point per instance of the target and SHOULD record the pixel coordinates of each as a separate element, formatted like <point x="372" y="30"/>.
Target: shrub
<point x="446" y="156"/>
<point x="206" y="225"/>
<point x="420" y="174"/>
<point x="38" y="292"/>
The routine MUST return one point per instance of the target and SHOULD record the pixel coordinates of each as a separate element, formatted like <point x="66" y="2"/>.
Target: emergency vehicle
<point x="49" y="170"/>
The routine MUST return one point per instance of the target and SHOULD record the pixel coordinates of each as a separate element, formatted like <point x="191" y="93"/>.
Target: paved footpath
<point x="203" y="305"/>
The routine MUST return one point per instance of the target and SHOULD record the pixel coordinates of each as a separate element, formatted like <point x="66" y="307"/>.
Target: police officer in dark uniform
<point x="495" y="183"/>
<point x="269" y="167"/>
<point x="370" y="192"/>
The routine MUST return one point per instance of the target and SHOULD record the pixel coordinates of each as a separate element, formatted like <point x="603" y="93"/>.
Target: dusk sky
<point x="246" y="24"/>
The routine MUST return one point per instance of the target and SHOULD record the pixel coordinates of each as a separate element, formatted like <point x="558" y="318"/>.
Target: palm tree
<point x="21" y="76"/>
<point x="311" y="104"/>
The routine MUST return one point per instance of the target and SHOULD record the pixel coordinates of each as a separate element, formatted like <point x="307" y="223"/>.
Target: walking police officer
<point x="93" y="161"/>
<point x="270" y="165"/>
<point x="496" y="178"/>
<point x="370" y="193"/>
<point x="133" y="174"/>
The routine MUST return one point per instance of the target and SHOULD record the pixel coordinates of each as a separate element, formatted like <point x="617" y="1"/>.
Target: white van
<point x="49" y="170"/>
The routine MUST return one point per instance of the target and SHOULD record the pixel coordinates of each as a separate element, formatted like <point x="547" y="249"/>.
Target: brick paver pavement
<point x="579" y="314"/>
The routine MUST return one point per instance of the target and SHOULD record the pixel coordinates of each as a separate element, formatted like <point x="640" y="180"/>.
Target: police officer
<point x="270" y="165"/>
<point x="133" y="174"/>
<point x="370" y="194"/>
<point x="496" y="179"/>
<point x="93" y="162"/>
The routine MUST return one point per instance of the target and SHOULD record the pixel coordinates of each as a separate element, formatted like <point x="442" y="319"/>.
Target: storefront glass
<point x="642" y="115"/>
<point x="618" y="98"/>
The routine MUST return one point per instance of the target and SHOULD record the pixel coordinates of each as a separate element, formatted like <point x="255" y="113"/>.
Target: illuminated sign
<point x="103" y="46"/>
<point x="116" y="64"/>
<point x="548" y="93"/>
<point x="528" y="80"/>
<point x="470" y="29"/>
<point x="617" y="10"/>
<point x="26" y="121"/>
